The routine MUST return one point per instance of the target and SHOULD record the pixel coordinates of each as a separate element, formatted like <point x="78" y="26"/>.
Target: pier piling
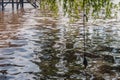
<point x="2" y="5"/>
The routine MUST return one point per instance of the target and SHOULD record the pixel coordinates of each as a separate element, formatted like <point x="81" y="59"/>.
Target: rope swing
<point x="85" y="62"/>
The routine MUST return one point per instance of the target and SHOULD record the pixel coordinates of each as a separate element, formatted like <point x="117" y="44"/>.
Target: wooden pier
<point x="17" y="3"/>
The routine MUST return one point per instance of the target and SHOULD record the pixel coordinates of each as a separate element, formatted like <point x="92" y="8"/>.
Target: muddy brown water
<point x="37" y="47"/>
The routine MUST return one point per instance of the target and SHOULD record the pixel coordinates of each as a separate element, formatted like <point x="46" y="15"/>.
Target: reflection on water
<point x="16" y="47"/>
<point x="35" y="47"/>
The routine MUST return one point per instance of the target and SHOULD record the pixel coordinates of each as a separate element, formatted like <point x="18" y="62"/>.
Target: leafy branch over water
<point x="74" y="7"/>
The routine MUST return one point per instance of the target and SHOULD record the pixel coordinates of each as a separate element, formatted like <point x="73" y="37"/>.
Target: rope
<point x="84" y="30"/>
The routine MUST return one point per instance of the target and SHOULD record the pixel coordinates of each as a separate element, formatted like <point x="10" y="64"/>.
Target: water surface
<point x="34" y="46"/>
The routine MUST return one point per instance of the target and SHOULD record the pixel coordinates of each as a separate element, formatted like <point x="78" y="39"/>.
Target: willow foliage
<point x="49" y="5"/>
<point x="75" y="7"/>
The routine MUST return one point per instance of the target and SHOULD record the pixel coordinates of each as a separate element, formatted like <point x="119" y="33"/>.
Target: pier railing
<point x="18" y="3"/>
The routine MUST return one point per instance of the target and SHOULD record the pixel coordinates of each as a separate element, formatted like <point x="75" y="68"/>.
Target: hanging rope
<point x="85" y="63"/>
<point x="84" y="30"/>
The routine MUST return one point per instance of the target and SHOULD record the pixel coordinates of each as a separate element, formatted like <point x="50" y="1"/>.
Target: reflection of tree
<point x="1" y="17"/>
<point x="14" y="18"/>
<point x="57" y="53"/>
<point x="9" y="24"/>
<point x="48" y="54"/>
<point x="102" y="38"/>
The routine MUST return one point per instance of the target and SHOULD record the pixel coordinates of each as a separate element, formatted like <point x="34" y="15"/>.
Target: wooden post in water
<point x="35" y="3"/>
<point x="2" y="5"/>
<point x="21" y="3"/>
<point x="12" y="4"/>
<point x="17" y="4"/>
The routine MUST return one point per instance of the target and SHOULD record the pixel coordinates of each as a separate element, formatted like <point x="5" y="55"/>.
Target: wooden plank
<point x="11" y="2"/>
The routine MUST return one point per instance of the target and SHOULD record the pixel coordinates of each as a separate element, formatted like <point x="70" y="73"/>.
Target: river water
<point x="37" y="46"/>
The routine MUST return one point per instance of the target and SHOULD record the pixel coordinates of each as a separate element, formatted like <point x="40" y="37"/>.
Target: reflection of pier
<point x="18" y="3"/>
